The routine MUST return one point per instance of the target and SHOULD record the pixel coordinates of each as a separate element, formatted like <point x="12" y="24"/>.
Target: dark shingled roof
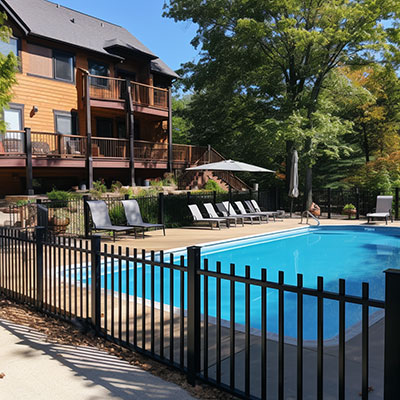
<point x="53" y="21"/>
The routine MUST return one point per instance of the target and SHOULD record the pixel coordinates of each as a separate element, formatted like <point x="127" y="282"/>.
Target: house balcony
<point x="107" y="92"/>
<point x="58" y="150"/>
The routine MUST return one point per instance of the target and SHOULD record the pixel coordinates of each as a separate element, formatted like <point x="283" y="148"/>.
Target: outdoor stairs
<point x="190" y="180"/>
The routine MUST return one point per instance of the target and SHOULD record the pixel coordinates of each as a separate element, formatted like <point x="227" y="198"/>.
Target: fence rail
<point x="214" y="322"/>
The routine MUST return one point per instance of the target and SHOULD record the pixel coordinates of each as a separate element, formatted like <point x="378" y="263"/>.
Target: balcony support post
<point x="29" y="169"/>
<point x="169" y="130"/>
<point x="131" y="128"/>
<point x="89" y="155"/>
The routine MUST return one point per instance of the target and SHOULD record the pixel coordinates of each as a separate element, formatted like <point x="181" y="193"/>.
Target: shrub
<point x="59" y="198"/>
<point x="126" y="191"/>
<point x="213" y="186"/>
<point x="349" y="207"/>
<point x="116" y="186"/>
<point x="117" y="214"/>
<point x="100" y="186"/>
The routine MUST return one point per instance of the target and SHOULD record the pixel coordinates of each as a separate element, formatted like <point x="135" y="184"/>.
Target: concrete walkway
<point x="35" y="369"/>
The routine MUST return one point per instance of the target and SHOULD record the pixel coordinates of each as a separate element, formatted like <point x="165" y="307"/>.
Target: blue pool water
<point x="356" y="254"/>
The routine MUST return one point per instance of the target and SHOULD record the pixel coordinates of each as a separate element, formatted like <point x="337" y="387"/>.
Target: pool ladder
<point x="307" y="214"/>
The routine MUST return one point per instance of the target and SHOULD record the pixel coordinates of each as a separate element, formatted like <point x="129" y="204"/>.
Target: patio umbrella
<point x="294" y="179"/>
<point x="229" y="166"/>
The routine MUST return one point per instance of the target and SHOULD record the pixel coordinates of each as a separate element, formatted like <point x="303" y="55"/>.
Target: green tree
<point x="180" y="125"/>
<point x="280" y="53"/>
<point x="8" y="69"/>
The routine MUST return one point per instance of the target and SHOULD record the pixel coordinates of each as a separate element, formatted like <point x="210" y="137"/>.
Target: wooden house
<point x="91" y="102"/>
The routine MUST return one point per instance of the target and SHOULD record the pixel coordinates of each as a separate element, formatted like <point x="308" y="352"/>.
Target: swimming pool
<point x="356" y="254"/>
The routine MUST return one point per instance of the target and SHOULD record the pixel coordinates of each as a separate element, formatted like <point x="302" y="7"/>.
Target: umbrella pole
<point x="230" y="200"/>
<point x="291" y="207"/>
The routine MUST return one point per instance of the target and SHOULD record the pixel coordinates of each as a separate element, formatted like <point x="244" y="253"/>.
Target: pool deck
<point x="196" y="235"/>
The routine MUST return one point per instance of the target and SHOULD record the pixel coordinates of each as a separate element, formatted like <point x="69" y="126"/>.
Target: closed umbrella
<point x="230" y="166"/>
<point x="294" y="179"/>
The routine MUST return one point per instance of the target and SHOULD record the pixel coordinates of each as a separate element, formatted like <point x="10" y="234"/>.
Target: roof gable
<point x="53" y="21"/>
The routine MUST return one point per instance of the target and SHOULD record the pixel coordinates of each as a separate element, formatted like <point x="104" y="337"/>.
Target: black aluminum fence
<point x="212" y="322"/>
<point x="67" y="217"/>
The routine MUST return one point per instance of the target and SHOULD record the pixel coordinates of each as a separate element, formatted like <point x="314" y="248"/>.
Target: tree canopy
<point x="265" y="68"/>
<point x="8" y="68"/>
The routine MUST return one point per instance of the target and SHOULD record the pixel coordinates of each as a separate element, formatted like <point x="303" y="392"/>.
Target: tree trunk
<point x="308" y="193"/>
<point x="366" y="144"/>
<point x="289" y="149"/>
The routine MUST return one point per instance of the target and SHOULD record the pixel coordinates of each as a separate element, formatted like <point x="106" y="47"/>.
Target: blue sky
<point x="143" y="18"/>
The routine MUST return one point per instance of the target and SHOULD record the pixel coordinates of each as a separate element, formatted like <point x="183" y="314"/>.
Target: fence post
<point x="193" y="314"/>
<point x="39" y="236"/>
<point x="357" y="203"/>
<point x="392" y="334"/>
<point x="188" y="197"/>
<point x="161" y="208"/>
<point x="329" y="203"/>
<point x="214" y="197"/>
<point x="396" y="204"/>
<point x="95" y="264"/>
<point x="230" y="194"/>
<point x="86" y="216"/>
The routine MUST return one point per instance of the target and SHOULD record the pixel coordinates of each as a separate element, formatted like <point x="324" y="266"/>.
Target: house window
<point x="11" y="46"/>
<point x="66" y="123"/>
<point x="50" y="63"/>
<point x="40" y="61"/>
<point x="104" y="127"/>
<point x="63" y="66"/>
<point x="99" y="69"/>
<point x="13" y="118"/>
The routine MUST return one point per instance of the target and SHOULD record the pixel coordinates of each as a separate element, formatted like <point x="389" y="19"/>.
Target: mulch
<point x="61" y="332"/>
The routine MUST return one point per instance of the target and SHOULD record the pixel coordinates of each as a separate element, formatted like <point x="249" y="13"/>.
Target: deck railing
<point x="51" y="145"/>
<point x="225" y="324"/>
<point x="12" y="143"/>
<point x="108" y="88"/>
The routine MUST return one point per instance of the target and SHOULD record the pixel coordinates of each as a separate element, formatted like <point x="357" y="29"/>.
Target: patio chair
<point x="252" y="209"/>
<point x="243" y="211"/>
<point x="198" y="217"/>
<point x="231" y="212"/>
<point x="277" y="213"/>
<point x="212" y="214"/>
<point x="101" y="218"/>
<point x="383" y="209"/>
<point x="134" y="217"/>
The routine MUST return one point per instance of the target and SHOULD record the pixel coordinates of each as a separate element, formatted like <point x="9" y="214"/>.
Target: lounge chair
<point x="383" y="209"/>
<point x="198" y="217"/>
<point x="212" y="214"/>
<point x="278" y="213"/>
<point x="101" y="218"/>
<point x="243" y="211"/>
<point x="252" y="209"/>
<point x="231" y="212"/>
<point x="134" y="217"/>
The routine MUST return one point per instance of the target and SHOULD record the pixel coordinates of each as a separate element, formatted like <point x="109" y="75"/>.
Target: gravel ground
<point x="65" y="333"/>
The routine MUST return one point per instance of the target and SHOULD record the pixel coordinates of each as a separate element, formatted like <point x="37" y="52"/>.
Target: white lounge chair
<point x="278" y="213"/>
<point x="198" y="217"/>
<point x="243" y="211"/>
<point x="383" y="209"/>
<point x="252" y="209"/>
<point x="212" y="214"/>
<point x="231" y="212"/>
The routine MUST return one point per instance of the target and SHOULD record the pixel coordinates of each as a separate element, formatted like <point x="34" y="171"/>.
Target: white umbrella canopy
<point x="229" y="165"/>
